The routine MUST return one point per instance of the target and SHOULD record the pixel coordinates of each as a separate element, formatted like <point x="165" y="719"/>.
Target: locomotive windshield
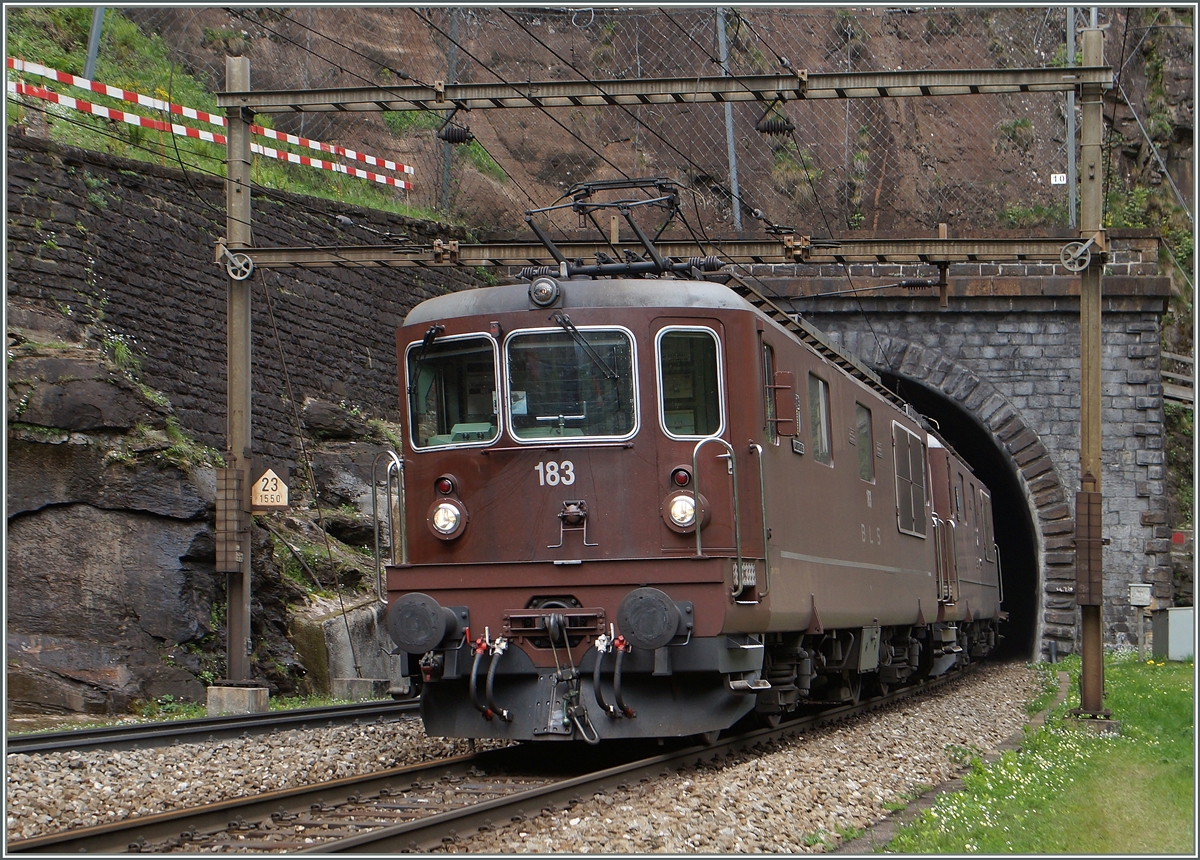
<point x="452" y="392"/>
<point x="571" y="383"/>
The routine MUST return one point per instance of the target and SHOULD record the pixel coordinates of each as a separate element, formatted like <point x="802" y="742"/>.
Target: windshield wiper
<point x="576" y="335"/>
<point x="415" y="376"/>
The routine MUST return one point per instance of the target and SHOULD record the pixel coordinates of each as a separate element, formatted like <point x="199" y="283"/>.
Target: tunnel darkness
<point x="1014" y="526"/>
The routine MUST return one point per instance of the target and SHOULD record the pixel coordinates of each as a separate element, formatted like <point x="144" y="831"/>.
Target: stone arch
<point x="1027" y="460"/>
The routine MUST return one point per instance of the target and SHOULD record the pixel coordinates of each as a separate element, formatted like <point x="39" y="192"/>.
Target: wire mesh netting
<point x="878" y="164"/>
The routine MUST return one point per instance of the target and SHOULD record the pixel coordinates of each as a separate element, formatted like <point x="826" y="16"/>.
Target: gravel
<point x="798" y="796"/>
<point x="801" y="796"/>
<point x="47" y="792"/>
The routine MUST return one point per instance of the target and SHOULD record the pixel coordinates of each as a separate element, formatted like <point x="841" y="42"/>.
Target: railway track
<point x="419" y="807"/>
<point x="165" y="733"/>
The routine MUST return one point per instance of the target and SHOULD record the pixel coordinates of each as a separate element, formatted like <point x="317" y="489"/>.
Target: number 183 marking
<point x="553" y="474"/>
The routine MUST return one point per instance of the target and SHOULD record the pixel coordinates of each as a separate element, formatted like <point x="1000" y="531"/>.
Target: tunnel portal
<point x="997" y="367"/>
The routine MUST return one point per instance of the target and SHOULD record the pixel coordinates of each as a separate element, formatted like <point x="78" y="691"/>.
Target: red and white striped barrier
<point x="331" y="149"/>
<point x="329" y="165"/>
<point x="180" y="110"/>
<point x="112" y="113"/>
<point x="115" y="92"/>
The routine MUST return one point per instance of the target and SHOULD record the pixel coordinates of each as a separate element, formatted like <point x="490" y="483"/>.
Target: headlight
<point x="683" y="511"/>
<point x="446" y="518"/>
<point x="543" y="292"/>
<point x="680" y="512"/>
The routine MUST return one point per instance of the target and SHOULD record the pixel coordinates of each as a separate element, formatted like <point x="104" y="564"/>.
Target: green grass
<point x="1072" y="791"/>
<point x="134" y="60"/>
<point x="1016" y="216"/>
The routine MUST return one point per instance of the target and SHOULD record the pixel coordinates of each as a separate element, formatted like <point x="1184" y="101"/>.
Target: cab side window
<point x="689" y="382"/>
<point x="818" y="419"/>
<point x="768" y="364"/>
<point x="910" y="481"/>
<point x="864" y="439"/>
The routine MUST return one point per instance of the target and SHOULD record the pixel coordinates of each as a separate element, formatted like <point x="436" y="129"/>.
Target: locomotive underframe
<point x="689" y="688"/>
<point x="519" y="662"/>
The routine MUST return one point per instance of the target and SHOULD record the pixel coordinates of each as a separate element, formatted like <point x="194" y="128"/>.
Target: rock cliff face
<point x="109" y="541"/>
<point x="112" y="597"/>
<point x="115" y="400"/>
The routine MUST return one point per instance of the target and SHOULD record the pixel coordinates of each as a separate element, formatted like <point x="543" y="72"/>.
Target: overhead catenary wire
<point x="411" y="52"/>
<point x="365" y="79"/>
<point x="179" y="155"/>
<point x="738" y="200"/>
<point x="691" y="228"/>
<point x="816" y="198"/>
<point x="307" y="460"/>
<point x="429" y="23"/>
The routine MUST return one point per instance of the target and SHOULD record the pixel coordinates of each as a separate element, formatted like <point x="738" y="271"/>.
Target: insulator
<point x="455" y="134"/>
<point x="916" y="285"/>
<point x="537" y="271"/>
<point x="775" y="125"/>
<point x="706" y="264"/>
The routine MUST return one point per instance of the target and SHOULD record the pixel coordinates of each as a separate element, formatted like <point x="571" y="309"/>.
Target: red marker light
<point x="681" y="477"/>
<point x="445" y="486"/>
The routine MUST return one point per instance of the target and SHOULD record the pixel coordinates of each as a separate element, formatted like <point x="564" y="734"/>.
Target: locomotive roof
<point x="582" y="293"/>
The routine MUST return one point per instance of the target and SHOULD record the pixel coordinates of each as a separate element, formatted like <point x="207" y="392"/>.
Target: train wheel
<point x="852" y="681"/>
<point x="708" y="738"/>
<point x="770" y="721"/>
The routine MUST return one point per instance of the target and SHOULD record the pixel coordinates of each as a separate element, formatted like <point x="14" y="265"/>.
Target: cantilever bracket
<point x="238" y="266"/>
<point x="1077" y="256"/>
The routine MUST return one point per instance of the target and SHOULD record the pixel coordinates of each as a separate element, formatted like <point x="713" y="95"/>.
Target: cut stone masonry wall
<point x="131" y="246"/>
<point x="1006" y="351"/>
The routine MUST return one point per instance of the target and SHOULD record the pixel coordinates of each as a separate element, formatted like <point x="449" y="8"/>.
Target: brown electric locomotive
<point x="643" y="507"/>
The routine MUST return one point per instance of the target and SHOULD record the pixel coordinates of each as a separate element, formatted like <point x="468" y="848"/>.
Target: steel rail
<point x="164" y="733"/>
<point x="119" y="836"/>
<point x="428" y="833"/>
<point x="703" y="89"/>
<point x="278" y="810"/>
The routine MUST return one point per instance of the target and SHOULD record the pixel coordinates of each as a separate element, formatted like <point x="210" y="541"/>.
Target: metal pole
<point x="1141" y="635"/>
<point x="451" y="78"/>
<point x="1072" y="179"/>
<point x="238" y="428"/>
<point x="89" y="67"/>
<point x="308" y="31"/>
<point x="1091" y="685"/>
<point x="723" y="43"/>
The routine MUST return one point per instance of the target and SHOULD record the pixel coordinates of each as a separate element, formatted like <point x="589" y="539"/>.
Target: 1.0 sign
<point x="270" y="492"/>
